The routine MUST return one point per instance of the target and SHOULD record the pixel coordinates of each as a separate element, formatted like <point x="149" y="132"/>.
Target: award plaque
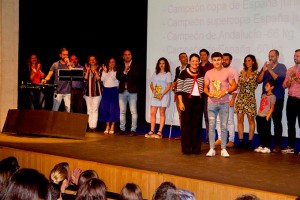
<point x="158" y="91"/>
<point x="216" y="89"/>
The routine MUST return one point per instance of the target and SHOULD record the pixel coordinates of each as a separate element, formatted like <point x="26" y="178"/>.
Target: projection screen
<point x="239" y="27"/>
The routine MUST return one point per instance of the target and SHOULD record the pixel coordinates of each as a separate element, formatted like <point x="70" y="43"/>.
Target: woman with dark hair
<point x="86" y="175"/>
<point x="93" y="189"/>
<point x="246" y="102"/>
<point x="8" y="166"/>
<point x="26" y="184"/>
<point x="166" y="190"/>
<point x="161" y="83"/>
<point x="54" y="192"/>
<point x="190" y="96"/>
<point x="131" y="191"/>
<point x="109" y="108"/>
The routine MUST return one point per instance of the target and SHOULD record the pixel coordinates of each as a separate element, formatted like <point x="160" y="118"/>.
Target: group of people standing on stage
<point x="214" y="89"/>
<point x="103" y="92"/>
<point x="217" y="90"/>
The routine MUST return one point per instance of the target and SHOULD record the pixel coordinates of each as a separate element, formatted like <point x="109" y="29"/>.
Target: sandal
<point x="149" y="134"/>
<point x="111" y="132"/>
<point x="158" y="135"/>
<point x="106" y="131"/>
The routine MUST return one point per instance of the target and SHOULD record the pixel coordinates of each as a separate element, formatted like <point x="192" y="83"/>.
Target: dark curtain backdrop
<point x="104" y="28"/>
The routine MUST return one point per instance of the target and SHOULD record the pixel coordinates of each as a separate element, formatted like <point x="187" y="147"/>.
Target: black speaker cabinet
<point x="46" y="123"/>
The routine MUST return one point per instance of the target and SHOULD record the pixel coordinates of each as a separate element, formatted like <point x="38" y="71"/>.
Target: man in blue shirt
<point x="274" y="70"/>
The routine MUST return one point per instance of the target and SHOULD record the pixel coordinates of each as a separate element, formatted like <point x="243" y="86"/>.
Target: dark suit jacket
<point x="132" y="78"/>
<point x="177" y="71"/>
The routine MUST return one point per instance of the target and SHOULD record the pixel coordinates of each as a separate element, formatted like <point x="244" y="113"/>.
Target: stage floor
<point x="277" y="173"/>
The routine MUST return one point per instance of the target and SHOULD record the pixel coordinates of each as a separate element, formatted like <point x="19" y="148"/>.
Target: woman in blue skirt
<point x="109" y="108"/>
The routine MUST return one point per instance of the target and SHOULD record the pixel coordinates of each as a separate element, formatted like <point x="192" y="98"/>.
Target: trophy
<point x="157" y="93"/>
<point x="216" y="88"/>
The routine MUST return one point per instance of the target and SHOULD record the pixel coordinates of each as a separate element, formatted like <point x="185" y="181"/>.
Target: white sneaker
<point x="224" y="153"/>
<point x="258" y="149"/>
<point x="211" y="152"/>
<point x="265" y="150"/>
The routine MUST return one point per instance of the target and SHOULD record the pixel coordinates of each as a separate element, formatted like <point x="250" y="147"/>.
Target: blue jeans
<point x="57" y="98"/>
<point x="132" y="99"/>
<point x="213" y="110"/>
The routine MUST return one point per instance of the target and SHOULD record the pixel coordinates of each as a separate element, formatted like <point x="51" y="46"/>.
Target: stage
<point x="270" y="176"/>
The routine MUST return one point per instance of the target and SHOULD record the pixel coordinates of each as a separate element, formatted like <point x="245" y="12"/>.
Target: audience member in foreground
<point x="166" y="190"/>
<point x="131" y="191"/>
<point x="86" y="175"/>
<point x="92" y="189"/>
<point x="26" y="184"/>
<point x="247" y="197"/>
<point x="8" y="166"/>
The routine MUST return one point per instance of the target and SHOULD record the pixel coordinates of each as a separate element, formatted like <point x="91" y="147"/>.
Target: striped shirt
<point x="187" y="80"/>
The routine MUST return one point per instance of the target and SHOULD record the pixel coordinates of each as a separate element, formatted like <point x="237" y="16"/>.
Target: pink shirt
<point x="235" y="75"/>
<point x="223" y="76"/>
<point x="294" y="89"/>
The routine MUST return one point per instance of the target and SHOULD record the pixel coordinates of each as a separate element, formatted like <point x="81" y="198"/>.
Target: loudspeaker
<point x="47" y="123"/>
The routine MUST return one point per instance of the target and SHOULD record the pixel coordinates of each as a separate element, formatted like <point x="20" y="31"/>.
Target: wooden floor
<point x="274" y="173"/>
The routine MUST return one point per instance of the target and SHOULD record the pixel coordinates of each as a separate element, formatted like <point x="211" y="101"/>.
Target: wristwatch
<point x="226" y="92"/>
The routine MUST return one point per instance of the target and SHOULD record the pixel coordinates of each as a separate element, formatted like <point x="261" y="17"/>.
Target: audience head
<point x="60" y="176"/>
<point x="87" y="175"/>
<point x="67" y="167"/>
<point x="247" y="197"/>
<point x="250" y="62"/>
<point x="93" y="189"/>
<point x="11" y="162"/>
<point x="8" y="166"/>
<point x="186" y="194"/>
<point x="54" y="192"/>
<point x="131" y="191"/>
<point x="26" y="184"/>
<point x="166" y="190"/>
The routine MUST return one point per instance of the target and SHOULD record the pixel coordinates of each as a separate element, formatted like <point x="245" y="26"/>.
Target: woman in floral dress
<point x="246" y="102"/>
